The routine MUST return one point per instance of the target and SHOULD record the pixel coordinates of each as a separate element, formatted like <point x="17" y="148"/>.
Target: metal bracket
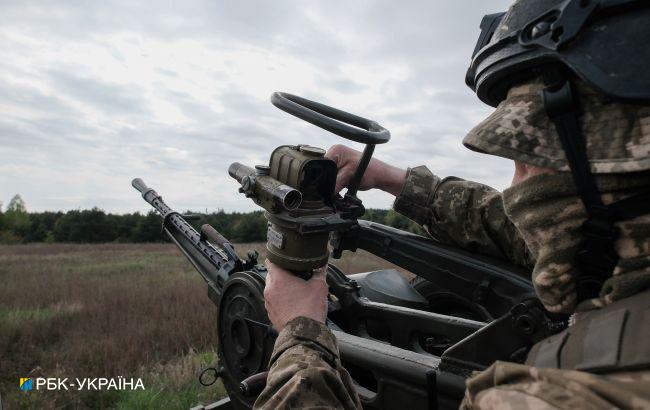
<point x="559" y="25"/>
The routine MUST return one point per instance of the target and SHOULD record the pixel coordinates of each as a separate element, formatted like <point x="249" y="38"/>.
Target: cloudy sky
<point x="93" y="94"/>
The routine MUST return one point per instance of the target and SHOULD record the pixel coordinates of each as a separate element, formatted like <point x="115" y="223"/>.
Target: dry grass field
<point x="106" y="311"/>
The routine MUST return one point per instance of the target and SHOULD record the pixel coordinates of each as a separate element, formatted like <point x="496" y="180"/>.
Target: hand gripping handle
<point x="339" y="122"/>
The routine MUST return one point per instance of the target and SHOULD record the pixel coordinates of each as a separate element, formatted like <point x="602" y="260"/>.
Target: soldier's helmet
<point x="602" y="45"/>
<point x="571" y="83"/>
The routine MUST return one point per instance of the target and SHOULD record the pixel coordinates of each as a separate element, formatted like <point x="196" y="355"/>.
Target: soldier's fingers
<point x="335" y="154"/>
<point x="278" y="274"/>
<point x="320" y="274"/>
<point x="342" y="180"/>
<point x="271" y="270"/>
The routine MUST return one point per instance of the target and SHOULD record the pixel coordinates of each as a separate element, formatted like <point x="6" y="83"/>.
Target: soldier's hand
<point x="378" y="174"/>
<point x="287" y="296"/>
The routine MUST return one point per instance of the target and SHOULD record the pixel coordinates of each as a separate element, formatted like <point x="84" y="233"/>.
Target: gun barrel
<point x="139" y="185"/>
<point x="152" y="197"/>
<point x="214" y="265"/>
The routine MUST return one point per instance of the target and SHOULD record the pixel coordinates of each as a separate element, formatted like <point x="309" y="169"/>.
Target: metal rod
<point x="361" y="169"/>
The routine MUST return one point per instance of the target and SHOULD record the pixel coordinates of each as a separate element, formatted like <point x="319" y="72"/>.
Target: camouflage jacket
<point x="306" y="372"/>
<point x="305" y="369"/>
<point x="462" y="213"/>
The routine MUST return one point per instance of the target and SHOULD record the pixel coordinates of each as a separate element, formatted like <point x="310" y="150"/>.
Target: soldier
<point x="572" y="87"/>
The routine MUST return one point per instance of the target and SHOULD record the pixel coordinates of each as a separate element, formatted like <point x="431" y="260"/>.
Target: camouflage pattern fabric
<point x="306" y="372"/>
<point x="462" y="213"/>
<point x="542" y="224"/>
<point x="610" y="341"/>
<point x="515" y="386"/>
<point x="617" y="135"/>
<point x="546" y="209"/>
<point x="549" y="214"/>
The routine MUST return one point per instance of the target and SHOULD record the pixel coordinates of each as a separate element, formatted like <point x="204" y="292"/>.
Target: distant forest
<point x="96" y="226"/>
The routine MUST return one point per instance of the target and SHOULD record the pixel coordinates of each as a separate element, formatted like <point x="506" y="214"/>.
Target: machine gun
<point x="402" y="342"/>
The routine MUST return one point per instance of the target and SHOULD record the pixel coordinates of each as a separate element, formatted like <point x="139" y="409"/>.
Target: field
<point x="90" y="311"/>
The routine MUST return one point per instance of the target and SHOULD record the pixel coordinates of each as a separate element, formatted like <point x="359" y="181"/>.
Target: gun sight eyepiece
<point x="240" y="171"/>
<point x="267" y="190"/>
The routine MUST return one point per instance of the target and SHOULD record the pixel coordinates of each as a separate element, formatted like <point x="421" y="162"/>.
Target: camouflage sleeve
<point x="507" y="385"/>
<point x="462" y="213"/>
<point x="306" y="370"/>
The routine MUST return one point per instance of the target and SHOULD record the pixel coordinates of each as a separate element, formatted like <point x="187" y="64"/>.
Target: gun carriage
<point x="403" y="342"/>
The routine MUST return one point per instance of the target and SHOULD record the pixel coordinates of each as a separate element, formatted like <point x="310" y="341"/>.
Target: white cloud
<point x="96" y="93"/>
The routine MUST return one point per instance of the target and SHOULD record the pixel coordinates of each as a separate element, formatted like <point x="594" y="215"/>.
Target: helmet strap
<point x="596" y="257"/>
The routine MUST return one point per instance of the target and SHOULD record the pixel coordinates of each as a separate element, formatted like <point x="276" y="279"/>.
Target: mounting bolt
<point x="246" y="183"/>
<point x="525" y="324"/>
<point x="540" y="29"/>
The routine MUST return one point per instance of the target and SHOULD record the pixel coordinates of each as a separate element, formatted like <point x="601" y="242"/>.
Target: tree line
<point x="96" y="226"/>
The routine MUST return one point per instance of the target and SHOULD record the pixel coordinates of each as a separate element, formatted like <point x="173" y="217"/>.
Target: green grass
<point x="17" y="317"/>
<point x="104" y="311"/>
<point x="174" y="385"/>
<point x="111" y="310"/>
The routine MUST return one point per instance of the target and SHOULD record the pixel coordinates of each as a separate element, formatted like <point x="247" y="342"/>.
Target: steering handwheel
<point x="338" y="122"/>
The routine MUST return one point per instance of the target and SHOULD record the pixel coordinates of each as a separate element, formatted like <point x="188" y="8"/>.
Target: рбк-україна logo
<point x="86" y="383"/>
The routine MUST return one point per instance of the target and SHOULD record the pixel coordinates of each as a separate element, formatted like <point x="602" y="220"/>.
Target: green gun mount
<point x="403" y="342"/>
<point x="296" y="188"/>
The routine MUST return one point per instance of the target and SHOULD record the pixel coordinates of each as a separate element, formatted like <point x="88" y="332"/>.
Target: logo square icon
<point x="26" y="384"/>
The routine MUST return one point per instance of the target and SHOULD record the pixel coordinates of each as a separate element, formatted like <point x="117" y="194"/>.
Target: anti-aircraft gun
<point x="403" y="342"/>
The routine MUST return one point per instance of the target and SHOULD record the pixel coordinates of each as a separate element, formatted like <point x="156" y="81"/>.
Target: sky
<point x="96" y="93"/>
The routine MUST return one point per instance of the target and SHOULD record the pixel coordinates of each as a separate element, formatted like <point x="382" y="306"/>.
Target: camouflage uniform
<point x="547" y="210"/>
<point x="537" y="223"/>
<point x="533" y="224"/>
<point x="306" y="371"/>
<point x="473" y="216"/>
<point x="462" y="213"/>
<point x="543" y="213"/>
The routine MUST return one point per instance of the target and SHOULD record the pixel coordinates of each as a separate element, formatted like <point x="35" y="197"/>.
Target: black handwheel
<point x="338" y="122"/>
